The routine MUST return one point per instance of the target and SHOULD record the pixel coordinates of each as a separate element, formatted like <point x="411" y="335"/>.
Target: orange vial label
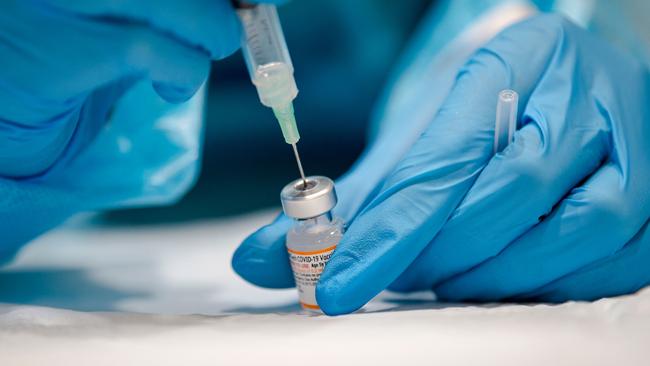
<point x="307" y="268"/>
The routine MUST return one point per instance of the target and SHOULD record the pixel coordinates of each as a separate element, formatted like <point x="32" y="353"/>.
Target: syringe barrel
<point x="267" y="56"/>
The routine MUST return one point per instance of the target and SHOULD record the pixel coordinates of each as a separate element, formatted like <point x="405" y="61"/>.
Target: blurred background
<point x="342" y="54"/>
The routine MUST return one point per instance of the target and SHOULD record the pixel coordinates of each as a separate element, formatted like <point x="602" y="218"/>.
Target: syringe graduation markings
<point x="270" y="68"/>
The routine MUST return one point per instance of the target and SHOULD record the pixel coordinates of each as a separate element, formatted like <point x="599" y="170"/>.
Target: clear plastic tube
<point x="506" y="119"/>
<point x="269" y="64"/>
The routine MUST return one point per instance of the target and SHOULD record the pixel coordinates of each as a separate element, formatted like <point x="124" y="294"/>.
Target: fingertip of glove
<point x="340" y="289"/>
<point x="261" y="268"/>
<point x="247" y="267"/>
<point x="230" y="42"/>
<point x="330" y="296"/>
<point x="172" y="93"/>
<point x="262" y="260"/>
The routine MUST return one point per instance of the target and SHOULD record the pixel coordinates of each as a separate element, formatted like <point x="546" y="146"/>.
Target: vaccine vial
<point x="314" y="235"/>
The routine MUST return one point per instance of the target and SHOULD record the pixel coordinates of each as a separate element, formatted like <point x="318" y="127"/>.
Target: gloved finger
<point x="28" y="152"/>
<point x="209" y="25"/>
<point x="262" y="257"/>
<point x="430" y="181"/>
<point x="578" y="233"/>
<point x="176" y="70"/>
<point x="77" y="57"/>
<point x="624" y="272"/>
<point x="550" y="155"/>
<point x="81" y="54"/>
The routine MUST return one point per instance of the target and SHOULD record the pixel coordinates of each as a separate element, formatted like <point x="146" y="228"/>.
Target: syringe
<point x="270" y="68"/>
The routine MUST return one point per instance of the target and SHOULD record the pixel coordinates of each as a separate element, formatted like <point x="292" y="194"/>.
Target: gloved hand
<point x="560" y="214"/>
<point x="65" y="63"/>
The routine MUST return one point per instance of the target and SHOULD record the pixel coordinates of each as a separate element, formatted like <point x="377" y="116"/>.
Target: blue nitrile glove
<point x="560" y="214"/>
<point x="65" y="66"/>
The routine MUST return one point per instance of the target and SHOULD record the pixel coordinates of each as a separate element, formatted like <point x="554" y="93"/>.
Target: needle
<point x="302" y="172"/>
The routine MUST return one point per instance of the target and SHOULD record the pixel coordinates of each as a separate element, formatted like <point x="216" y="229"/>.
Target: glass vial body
<point x="310" y="243"/>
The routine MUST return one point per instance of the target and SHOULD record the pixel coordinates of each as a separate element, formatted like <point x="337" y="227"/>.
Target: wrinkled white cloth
<point x="96" y="295"/>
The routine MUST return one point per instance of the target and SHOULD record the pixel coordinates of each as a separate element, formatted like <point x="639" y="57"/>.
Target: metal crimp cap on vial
<point x="314" y="199"/>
